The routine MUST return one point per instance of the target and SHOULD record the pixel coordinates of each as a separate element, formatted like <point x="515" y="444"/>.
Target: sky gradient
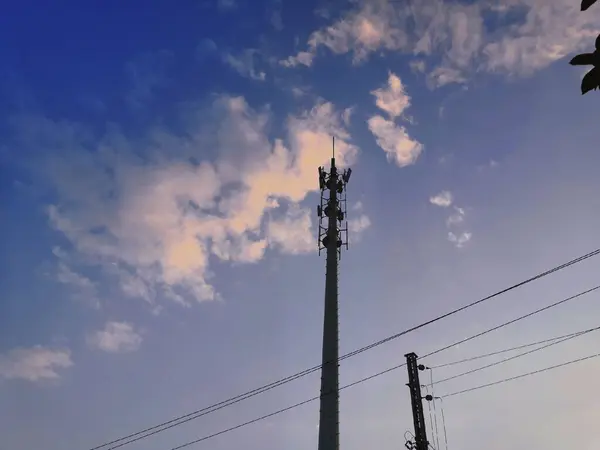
<point x="158" y="184"/>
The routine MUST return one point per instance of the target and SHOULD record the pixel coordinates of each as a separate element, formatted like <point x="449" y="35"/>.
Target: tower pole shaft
<point x="329" y="399"/>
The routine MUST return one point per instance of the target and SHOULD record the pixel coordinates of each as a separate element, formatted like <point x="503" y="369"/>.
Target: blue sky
<point x="158" y="184"/>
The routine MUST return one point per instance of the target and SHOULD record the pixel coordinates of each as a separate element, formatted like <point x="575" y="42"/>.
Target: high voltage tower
<point x="331" y="238"/>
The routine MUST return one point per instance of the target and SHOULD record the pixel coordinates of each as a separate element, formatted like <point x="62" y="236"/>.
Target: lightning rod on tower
<point x="332" y="238"/>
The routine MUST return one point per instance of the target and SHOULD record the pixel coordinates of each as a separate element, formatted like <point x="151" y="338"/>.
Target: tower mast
<point x="331" y="239"/>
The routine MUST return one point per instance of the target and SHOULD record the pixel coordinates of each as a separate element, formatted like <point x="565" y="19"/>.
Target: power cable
<point x="241" y="397"/>
<point x="498" y="352"/>
<point x="362" y="380"/>
<point x="537" y="311"/>
<point x="517" y="356"/>
<point x="437" y="433"/>
<point x="505" y="380"/>
<point x="443" y="421"/>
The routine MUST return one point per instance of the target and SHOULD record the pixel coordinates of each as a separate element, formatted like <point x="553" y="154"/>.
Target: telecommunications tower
<point x="332" y="237"/>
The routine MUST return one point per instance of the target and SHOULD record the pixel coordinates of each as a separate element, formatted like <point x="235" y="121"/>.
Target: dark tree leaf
<point x="585" y="59"/>
<point x="585" y="4"/>
<point x="598" y="43"/>
<point x="591" y="80"/>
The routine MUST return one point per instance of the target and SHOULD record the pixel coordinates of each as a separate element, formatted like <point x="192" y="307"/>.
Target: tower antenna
<point x="332" y="237"/>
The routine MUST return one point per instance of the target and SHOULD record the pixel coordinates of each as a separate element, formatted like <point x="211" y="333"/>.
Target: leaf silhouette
<point x="590" y="81"/>
<point x="585" y="59"/>
<point x="585" y="4"/>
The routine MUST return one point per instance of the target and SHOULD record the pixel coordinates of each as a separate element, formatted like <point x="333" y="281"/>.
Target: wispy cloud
<point x="116" y="337"/>
<point x="83" y="288"/>
<point x="155" y="223"/>
<point x="454" y="35"/>
<point x="35" y="363"/>
<point x="245" y="64"/>
<point x="443" y="199"/>
<point x="392" y="138"/>
<point x="455" y="221"/>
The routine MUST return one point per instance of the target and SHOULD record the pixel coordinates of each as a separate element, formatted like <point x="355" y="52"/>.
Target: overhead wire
<point x="444" y="422"/>
<point x="506" y="350"/>
<point x="537" y="311"/>
<point x="430" y="414"/>
<point x="241" y="397"/>
<point x="362" y="380"/>
<point x="437" y="434"/>
<point x="505" y="380"/>
<point x="582" y="333"/>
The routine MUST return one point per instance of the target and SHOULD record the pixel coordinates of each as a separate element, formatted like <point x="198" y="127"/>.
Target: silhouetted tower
<point x="416" y="401"/>
<point x="331" y="238"/>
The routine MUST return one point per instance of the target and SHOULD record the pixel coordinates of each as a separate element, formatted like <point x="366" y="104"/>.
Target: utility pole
<point x="331" y="238"/>
<point x="416" y="400"/>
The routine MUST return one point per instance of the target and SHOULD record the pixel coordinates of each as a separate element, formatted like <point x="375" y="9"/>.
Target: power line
<point x="537" y="311"/>
<point x="241" y="397"/>
<point x="506" y="350"/>
<point x="505" y="380"/>
<point x="487" y="366"/>
<point x="362" y="380"/>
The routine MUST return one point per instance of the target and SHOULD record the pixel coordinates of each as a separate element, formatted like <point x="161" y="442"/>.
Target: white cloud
<point x="154" y="224"/>
<point x="34" y="364"/>
<point x="455" y="35"/>
<point x="116" y="337"/>
<point x="360" y="32"/>
<point x="84" y="289"/>
<point x="302" y="58"/>
<point x="459" y="240"/>
<point x="392" y="98"/>
<point x="293" y="233"/>
<point x="395" y="141"/>
<point x="392" y="138"/>
<point x="356" y="227"/>
<point x="456" y="219"/>
<point x="418" y="66"/>
<point x="245" y="64"/>
<point x="443" y="199"/>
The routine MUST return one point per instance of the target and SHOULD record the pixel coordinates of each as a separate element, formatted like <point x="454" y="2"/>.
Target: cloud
<point x="459" y="240"/>
<point x="245" y="64"/>
<point x="392" y="138"/>
<point x="302" y="58"/>
<point x="84" y="289"/>
<point x="293" y="233"/>
<point x="360" y="32"/>
<point x="392" y="98"/>
<point x="418" y="66"/>
<point x="34" y="364"/>
<point x="116" y="337"/>
<point x="356" y="227"/>
<point x="395" y="141"/>
<point x="154" y="224"/>
<point x="443" y="199"/>
<point x="457" y="218"/>
<point x="523" y="36"/>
